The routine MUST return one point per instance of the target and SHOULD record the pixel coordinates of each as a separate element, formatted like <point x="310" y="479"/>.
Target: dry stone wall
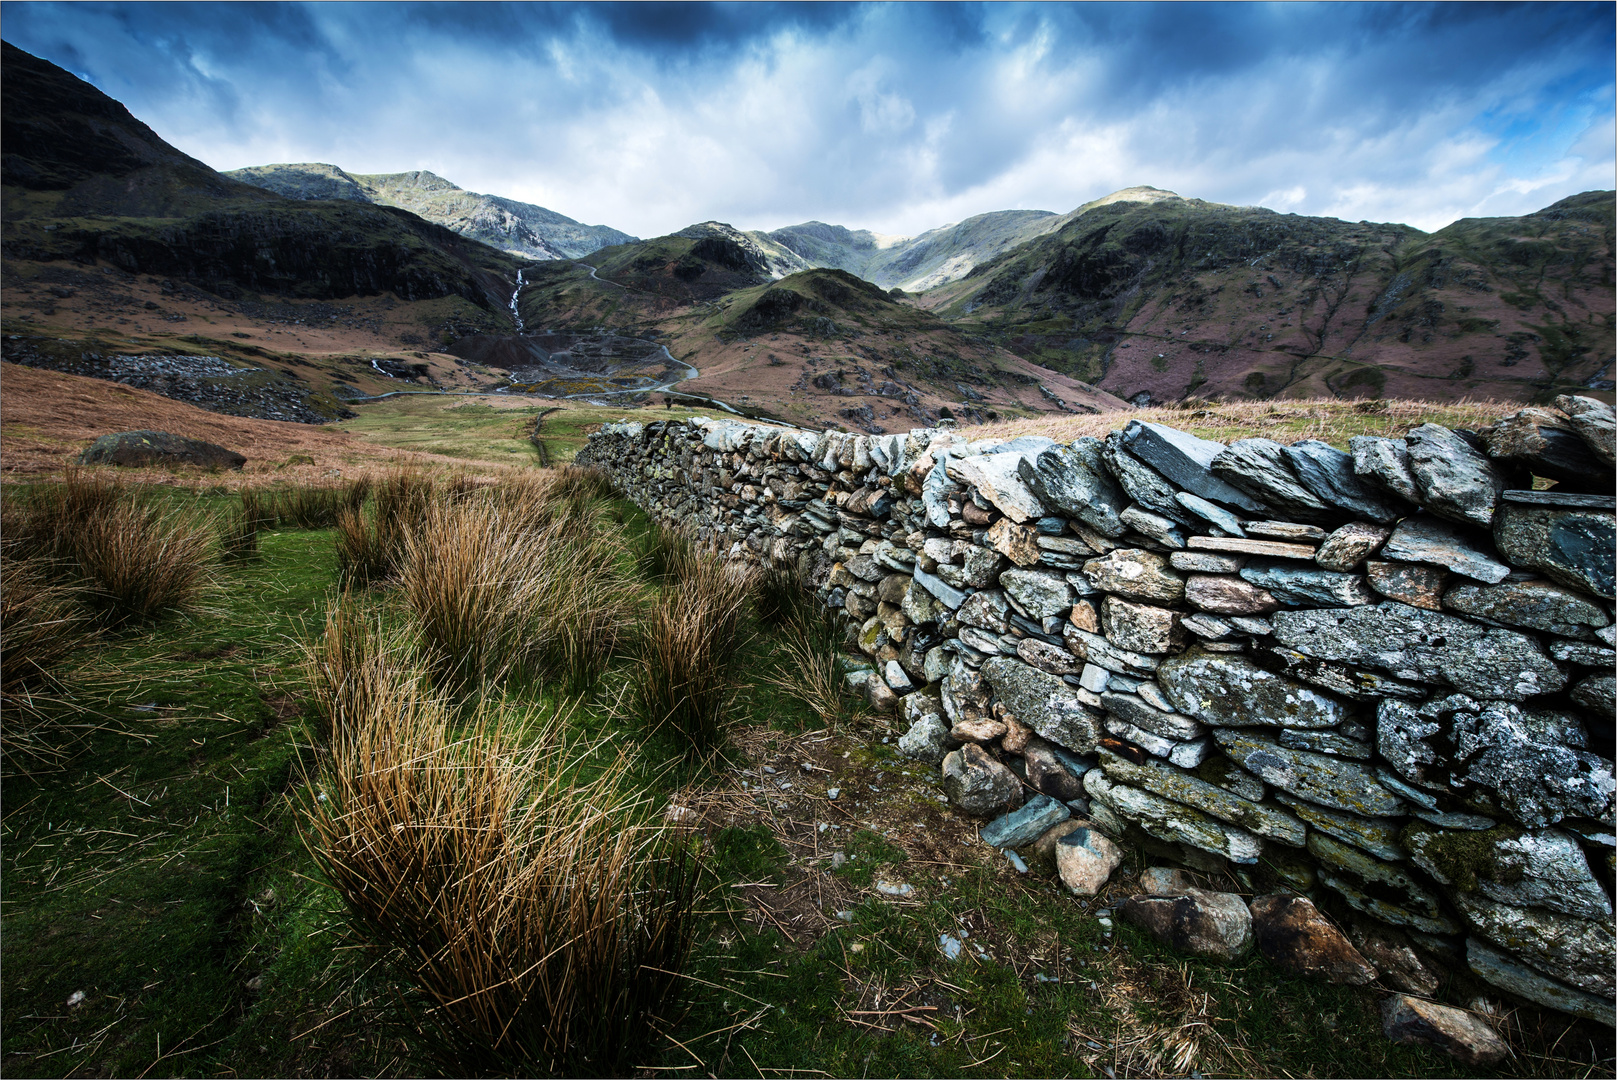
<point x="1383" y="676"/>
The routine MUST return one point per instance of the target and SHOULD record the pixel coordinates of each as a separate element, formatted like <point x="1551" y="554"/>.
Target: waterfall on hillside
<point x="515" y="313"/>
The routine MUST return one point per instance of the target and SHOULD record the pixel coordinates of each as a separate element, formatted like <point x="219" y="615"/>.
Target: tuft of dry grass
<point x="1286" y="421"/>
<point x="541" y="919"/>
<point x="1163" y="1024"/>
<point x="691" y="639"/>
<point x="41" y="623"/>
<point x="316" y="506"/>
<point x="49" y="520"/>
<point x="140" y="564"/>
<point x="516" y="581"/>
<point x="809" y="673"/>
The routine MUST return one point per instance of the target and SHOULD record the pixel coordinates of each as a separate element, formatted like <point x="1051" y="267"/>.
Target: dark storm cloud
<point x="648" y="116"/>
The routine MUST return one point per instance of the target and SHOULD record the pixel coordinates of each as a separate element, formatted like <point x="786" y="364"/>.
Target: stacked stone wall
<point x="1383" y="677"/>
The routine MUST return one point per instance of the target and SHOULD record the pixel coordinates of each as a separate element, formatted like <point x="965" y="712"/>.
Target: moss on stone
<point x="1463" y="856"/>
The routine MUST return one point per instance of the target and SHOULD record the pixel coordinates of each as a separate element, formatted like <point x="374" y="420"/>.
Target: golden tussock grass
<point x="539" y="916"/>
<point x="1327" y="419"/>
<point x="689" y="649"/>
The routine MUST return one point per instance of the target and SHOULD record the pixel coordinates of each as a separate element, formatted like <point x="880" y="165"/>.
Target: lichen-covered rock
<point x="1597" y="693"/>
<point x="1085" y="859"/>
<point x="965" y="695"/>
<point x="1408" y="583"/>
<point x="1581" y="952"/>
<point x="926" y="740"/>
<point x="1531" y="773"/>
<point x="1096" y="650"/>
<point x="1047" y="657"/>
<point x="1424" y="646"/>
<point x="136" y="449"/>
<point x="1143" y="628"/>
<point x="1345" y="680"/>
<point x="1018" y="543"/>
<point x="1594" y="421"/>
<point x="1414" y="1022"/>
<point x="1405" y="737"/>
<point x="1135" y="574"/>
<point x="1384" y="462"/>
<point x="1224" y="594"/>
<point x="1229" y="690"/>
<point x="1492" y="966"/>
<point x="1348" y="547"/>
<point x="1137" y="711"/>
<point x="1260" y="468"/>
<point x="986" y="610"/>
<point x="1390" y="883"/>
<point x="1267" y="821"/>
<point x="1313" y="586"/>
<point x="1212" y="924"/>
<point x="1074" y="479"/>
<point x="1294" y="937"/>
<point x="1044" y="703"/>
<point x="1426" y="539"/>
<point x="1040" y="595"/>
<point x="1541" y="868"/>
<point x="996" y="478"/>
<point x="920" y="606"/>
<point x="1171" y="821"/>
<point x="978" y="568"/>
<point x="1319" y="778"/>
<point x="1154" y="527"/>
<point x="1454" y="480"/>
<point x="978" y="785"/>
<point x="1380" y="836"/>
<point x="1574" y="547"/>
<point x="1543" y="441"/>
<point x="1328" y="473"/>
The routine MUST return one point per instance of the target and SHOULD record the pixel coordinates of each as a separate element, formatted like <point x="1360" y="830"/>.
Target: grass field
<point x="163" y="911"/>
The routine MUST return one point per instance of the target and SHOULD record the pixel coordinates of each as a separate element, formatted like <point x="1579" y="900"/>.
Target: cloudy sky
<point x="896" y="118"/>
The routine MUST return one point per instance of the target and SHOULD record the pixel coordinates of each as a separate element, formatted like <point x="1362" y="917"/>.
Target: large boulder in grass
<point x="140" y="448"/>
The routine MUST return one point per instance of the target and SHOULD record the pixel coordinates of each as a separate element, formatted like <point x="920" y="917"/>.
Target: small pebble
<point x="832" y="793"/>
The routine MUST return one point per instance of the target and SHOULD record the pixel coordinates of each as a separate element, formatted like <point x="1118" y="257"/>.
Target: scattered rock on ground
<point x="1412" y="1021"/>
<point x="1211" y="924"/>
<point x="136" y="449"/>
<point x="1294" y="937"/>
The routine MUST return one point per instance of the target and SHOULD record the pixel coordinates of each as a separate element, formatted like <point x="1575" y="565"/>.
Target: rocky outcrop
<point x="1377" y="675"/>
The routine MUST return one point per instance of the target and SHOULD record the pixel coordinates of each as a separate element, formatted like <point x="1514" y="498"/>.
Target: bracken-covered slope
<point x="1170" y="298"/>
<point x="84" y="180"/>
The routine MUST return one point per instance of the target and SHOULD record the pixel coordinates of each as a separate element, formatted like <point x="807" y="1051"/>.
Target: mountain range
<point x="1142" y="295"/>
<point x="518" y="228"/>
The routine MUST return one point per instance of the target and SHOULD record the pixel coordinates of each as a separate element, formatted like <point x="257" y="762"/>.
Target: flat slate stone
<point x="1136" y="574"/>
<point x="1328" y="473"/>
<point x="1347" y="680"/>
<point x="1260" y="468"/>
<point x="1527" y="763"/>
<point x="1391" y="878"/>
<point x="1327" y="781"/>
<point x="1211" y="513"/>
<point x="1403" y="641"/>
<point x="1098" y="651"/>
<point x="1415" y="584"/>
<point x="1536" y="605"/>
<point x="1186" y="460"/>
<point x="1377" y="835"/>
<point x="1172" y="821"/>
<point x="1455" y="481"/>
<point x="1039" y="594"/>
<point x="1205" y="562"/>
<point x="1310" y="585"/>
<point x="1019" y="827"/>
<point x="1543" y="441"/>
<point x="1260" y="819"/>
<point x="996" y="478"/>
<point x="1228" y="690"/>
<point x="946" y="593"/>
<point x="1144" y="484"/>
<point x="1075" y="480"/>
<point x="1494" y="967"/>
<point x="1286" y="530"/>
<point x="1577" y="548"/>
<point x="1425" y="539"/>
<point x="1134" y="710"/>
<point x="1580" y="951"/>
<point x="1273" y="548"/>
